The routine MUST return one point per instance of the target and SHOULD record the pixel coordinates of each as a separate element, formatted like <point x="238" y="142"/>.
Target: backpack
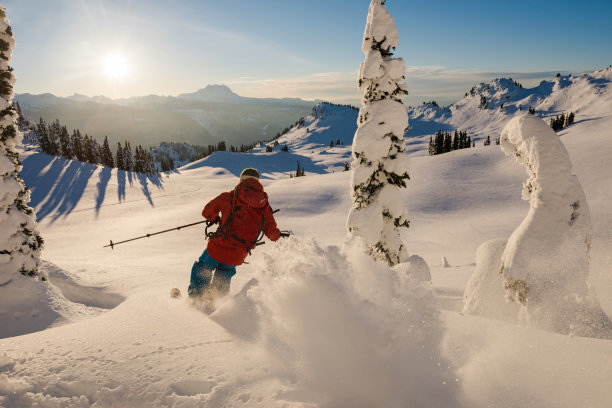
<point x="245" y="225"/>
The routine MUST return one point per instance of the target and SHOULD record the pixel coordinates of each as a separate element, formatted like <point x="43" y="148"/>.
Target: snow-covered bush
<point x="20" y="243"/>
<point x="545" y="263"/>
<point x="379" y="167"/>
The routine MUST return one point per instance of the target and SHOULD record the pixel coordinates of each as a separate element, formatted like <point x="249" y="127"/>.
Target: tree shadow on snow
<point x="105" y="175"/>
<point x="121" y="180"/>
<point x="56" y="184"/>
<point x="39" y="183"/>
<point x="144" y="181"/>
<point x="123" y="177"/>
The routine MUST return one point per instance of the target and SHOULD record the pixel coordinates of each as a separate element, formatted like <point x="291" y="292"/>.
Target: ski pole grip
<point x="213" y="222"/>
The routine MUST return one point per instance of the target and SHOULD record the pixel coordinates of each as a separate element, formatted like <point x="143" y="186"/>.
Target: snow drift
<point x="57" y="300"/>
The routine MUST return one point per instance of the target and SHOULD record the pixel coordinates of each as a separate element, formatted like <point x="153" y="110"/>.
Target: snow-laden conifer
<point x="20" y="242"/>
<point x="379" y="167"/>
<point x="544" y="266"/>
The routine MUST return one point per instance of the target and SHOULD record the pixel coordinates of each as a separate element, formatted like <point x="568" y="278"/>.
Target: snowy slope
<point x="122" y="341"/>
<point x="308" y="142"/>
<point x="588" y="96"/>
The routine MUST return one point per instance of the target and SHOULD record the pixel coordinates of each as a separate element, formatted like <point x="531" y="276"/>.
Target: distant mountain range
<point x="215" y="113"/>
<point x="484" y="111"/>
<point x="487" y="107"/>
<point x="204" y="117"/>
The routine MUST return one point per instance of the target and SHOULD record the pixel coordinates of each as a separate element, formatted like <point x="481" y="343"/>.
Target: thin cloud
<point x="423" y="82"/>
<point x="324" y="85"/>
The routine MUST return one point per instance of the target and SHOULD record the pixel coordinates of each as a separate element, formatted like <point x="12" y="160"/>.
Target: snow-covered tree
<point x="20" y="242"/>
<point x="379" y="167"/>
<point x="544" y="266"/>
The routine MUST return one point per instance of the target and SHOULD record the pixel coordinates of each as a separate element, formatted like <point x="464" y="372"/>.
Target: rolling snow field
<point x="300" y="328"/>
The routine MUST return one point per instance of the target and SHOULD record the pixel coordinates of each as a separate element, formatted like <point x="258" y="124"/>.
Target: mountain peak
<point x="213" y="93"/>
<point x="217" y="88"/>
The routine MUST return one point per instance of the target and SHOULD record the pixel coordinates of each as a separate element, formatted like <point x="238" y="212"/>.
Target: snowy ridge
<point x="308" y="142"/>
<point x="328" y="122"/>
<point x="586" y="95"/>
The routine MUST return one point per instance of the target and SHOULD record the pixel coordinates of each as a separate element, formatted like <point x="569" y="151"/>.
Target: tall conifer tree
<point x="65" y="143"/>
<point x="77" y="145"/>
<point x="128" y="159"/>
<point x="120" y="164"/>
<point x="20" y="242"/>
<point x="106" y="154"/>
<point x="380" y="167"/>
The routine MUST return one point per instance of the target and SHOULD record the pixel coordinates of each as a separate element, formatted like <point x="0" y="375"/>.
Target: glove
<point x="213" y="222"/>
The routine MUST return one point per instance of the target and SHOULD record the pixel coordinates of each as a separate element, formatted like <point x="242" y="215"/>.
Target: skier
<point x="245" y="215"/>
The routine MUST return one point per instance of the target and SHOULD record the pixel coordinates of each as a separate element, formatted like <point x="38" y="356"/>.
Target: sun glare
<point x="115" y="66"/>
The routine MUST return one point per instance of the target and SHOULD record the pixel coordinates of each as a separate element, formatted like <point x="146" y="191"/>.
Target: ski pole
<point x="112" y="244"/>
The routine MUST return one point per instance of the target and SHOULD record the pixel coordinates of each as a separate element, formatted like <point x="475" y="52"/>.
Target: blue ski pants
<point x="210" y="275"/>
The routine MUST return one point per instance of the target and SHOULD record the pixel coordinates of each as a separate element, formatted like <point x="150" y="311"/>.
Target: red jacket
<point x="251" y="205"/>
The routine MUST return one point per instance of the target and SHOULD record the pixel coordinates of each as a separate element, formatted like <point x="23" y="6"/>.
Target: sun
<point x="115" y="66"/>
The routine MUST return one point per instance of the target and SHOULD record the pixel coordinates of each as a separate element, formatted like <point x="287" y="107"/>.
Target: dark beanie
<point x="249" y="173"/>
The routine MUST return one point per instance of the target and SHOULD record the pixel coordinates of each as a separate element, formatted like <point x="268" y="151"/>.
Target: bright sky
<point x="295" y="48"/>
